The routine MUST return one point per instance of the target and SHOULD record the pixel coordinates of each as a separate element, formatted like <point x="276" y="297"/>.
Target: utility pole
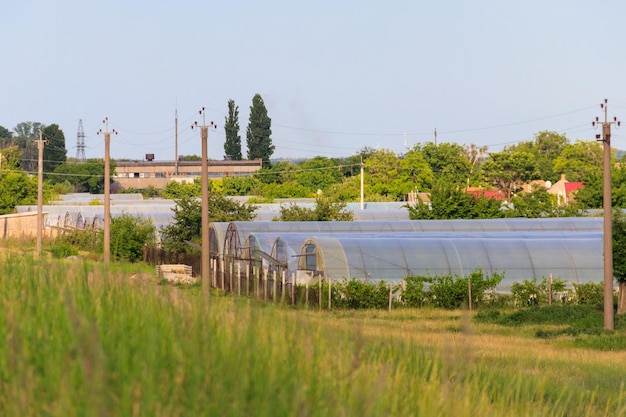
<point x="362" y="173"/>
<point x="608" y="214"/>
<point x="107" y="190"/>
<point x="40" y="192"/>
<point x="176" y="129"/>
<point x="205" y="258"/>
<point x="435" y="136"/>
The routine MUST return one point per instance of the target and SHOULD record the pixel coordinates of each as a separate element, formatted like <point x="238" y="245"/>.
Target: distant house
<point x="534" y="184"/>
<point x="565" y="190"/>
<point x="478" y="192"/>
<point x="414" y="195"/>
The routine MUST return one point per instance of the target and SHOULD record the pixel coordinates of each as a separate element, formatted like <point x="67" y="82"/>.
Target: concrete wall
<point x="20" y="225"/>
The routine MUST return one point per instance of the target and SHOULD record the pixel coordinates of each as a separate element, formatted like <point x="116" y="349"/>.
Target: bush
<point x="414" y="293"/>
<point x="349" y="294"/>
<point x="129" y="234"/>
<point x="357" y="294"/>
<point x="531" y="293"/>
<point x="590" y="293"/>
<point x="448" y="291"/>
<point x="62" y="249"/>
<point x="82" y="239"/>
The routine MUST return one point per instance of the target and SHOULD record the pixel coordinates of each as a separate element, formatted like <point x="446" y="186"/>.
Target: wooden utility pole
<point x="362" y="183"/>
<point x="40" y="143"/>
<point x="176" y="133"/>
<point x="107" y="191"/>
<point x="608" y="215"/>
<point x="205" y="256"/>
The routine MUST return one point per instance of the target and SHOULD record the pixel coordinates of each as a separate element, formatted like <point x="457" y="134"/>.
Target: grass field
<point x="78" y="340"/>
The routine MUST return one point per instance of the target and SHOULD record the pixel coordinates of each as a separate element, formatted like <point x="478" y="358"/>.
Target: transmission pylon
<point x="80" y="142"/>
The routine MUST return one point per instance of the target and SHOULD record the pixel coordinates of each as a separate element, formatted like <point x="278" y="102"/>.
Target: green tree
<point x="549" y="146"/>
<point x="174" y="190"/>
<point x="10" y="158"/>
<point x="85" y="176"/>
<point x="591" y="196"/>
<point x="289" y="189"/>
<point x="537" y="203"/>
<point x="28" y="130"/>
<point x="187" y="220"/>
<point x="579" y="160"/>
<point x="474" y="155"/>
<point x="5" y="133"/>
<point x="26" y="134"/>
<point x="447" y="162"/>
<point x="240" y="185"/>
<point x="259" y="132"/>
<point x="619" y="257"/>
<point x="190" y="158"/>
<point x="389" y="175"/>
<point x="546" y="147"/>
<point x="232" y="144"/>
<point x="278" y="173"/>
<point x="325" y="210"/>
<point x="448" y="201"/>
<point x="16" y="188"/>
<point x="129" y="234"/>
<point x="54" y="152"/>
<point x="319" y="173"/>
<point x="509" y="170"/>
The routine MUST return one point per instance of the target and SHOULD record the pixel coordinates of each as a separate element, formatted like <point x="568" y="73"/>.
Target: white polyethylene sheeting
<point x="574" y="260"/>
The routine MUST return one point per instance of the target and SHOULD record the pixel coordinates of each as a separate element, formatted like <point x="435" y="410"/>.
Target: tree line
<point x="446" y="171"/>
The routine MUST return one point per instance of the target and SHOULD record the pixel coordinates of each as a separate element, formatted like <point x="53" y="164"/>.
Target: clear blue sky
<point x="336" y="76"/>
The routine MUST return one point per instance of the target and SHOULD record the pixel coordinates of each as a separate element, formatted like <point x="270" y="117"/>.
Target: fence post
<point x="293" y="288"/>
<point x="255" y="285"/>
<point x="239" y="277"/>
<point x="319" y="292"/>
<point x="264" y="284"/>
<point x="214" y="274"/>
<point x="282" y="294"/>
<point x="469" y="293"/>
<point x="550" y="290"/>
<point x="390" y="295"/>
<point x="248" y="280"/>
<point x="329" y="292"/>
<point x="274" y="286"/>
<point x="231" y="271"/>
<point x="229" y="266"/>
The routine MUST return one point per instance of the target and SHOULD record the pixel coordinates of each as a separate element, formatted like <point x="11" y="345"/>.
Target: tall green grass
<point x="79" y="340"/>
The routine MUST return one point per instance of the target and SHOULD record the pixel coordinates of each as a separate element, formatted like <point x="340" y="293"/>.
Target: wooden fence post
<point x="329" y="292"/>
<point x="274" y="286"/>
<point x="239" y="277"/>
<point x="282" y="294"/>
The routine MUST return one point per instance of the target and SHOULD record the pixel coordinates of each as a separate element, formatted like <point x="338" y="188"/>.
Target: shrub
<point x="351" y="294"/>
<point x="414" y="293"/>
<point x="129" y="234"/>
<point x="590" y="293"/>
<point x="357" y="294"/>
<point x="448" y="291"/>
<point x="62" y="249"/>
<point x="82" y="239"/>
<point x="531" y="293"/>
